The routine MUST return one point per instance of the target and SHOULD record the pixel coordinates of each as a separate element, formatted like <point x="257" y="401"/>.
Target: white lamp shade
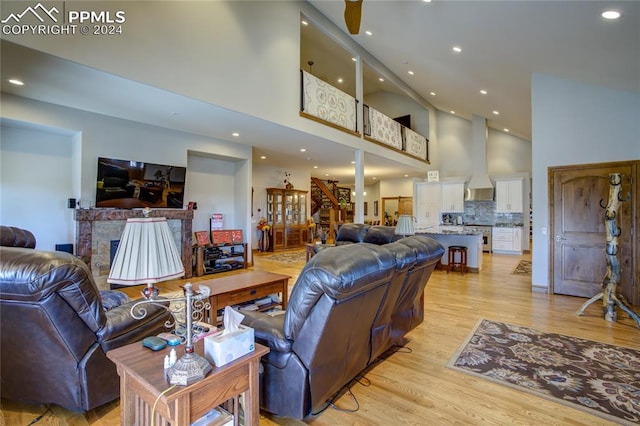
<point x="146" y="254"/>
<point x="404" y="225"/>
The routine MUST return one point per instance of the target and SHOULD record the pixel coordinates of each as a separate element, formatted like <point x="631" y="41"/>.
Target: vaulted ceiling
<point x="503" y="43"/>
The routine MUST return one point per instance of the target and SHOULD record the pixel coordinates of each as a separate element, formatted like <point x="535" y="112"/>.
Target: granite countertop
<point x="448" y="230"/>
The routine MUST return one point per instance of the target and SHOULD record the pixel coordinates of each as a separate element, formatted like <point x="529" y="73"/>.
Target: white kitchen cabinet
<point x="509" y="196"/>
<point x="427" y="203"/>
<point x="453" y="197"/>
<point x="506" y="240"/>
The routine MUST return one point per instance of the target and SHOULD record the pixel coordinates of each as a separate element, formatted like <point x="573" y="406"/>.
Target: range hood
<point x="480" y="187"/>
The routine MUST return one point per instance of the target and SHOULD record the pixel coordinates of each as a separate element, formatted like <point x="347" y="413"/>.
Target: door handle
<point x="559" y="238"/>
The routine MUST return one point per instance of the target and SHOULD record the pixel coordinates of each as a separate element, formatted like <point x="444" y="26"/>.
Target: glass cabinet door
<point x="289" y="208"/>
<point x="270" y="207"/>
<point x="303" y="208"/>
<point x="279" y="212"/>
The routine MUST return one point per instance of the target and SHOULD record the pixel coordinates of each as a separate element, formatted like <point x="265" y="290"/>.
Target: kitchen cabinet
<point x="287" y="215"/>
<point x="453" y="197"/>
<point x="507" y="240"/>
<point x="427" y="203"/>
<point x="509" y="196"/>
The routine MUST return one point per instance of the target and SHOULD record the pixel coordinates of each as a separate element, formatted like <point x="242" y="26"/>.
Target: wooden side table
<point x="143" y="385"/>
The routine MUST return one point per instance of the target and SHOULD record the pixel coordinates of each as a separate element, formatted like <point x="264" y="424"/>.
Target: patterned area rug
<point x="523" y="268"/>
<point x="601" y="379"/>
<point x="287" y="256"/>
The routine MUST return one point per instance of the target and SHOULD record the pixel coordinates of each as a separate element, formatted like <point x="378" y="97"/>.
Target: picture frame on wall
<point x="375" y="208"/>
<point x="366" y="208"/>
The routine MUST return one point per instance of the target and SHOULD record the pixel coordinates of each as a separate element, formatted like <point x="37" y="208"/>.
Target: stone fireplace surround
<point x="96" y="228"/>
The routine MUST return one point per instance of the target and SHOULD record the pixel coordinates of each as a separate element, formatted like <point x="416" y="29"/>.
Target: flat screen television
<point x="129" y="184"/>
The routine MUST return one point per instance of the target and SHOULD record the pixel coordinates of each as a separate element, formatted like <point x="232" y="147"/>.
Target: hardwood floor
<point x="414" y="386"/>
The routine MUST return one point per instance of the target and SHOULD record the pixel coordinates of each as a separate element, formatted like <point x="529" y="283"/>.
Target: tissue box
<point x="222" y="349"/>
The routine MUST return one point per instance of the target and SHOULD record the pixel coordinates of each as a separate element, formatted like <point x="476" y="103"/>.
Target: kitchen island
<point x="457" y="236"/>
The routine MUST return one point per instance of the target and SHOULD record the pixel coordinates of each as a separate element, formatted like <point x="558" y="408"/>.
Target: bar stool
<point x="462" y="264"/>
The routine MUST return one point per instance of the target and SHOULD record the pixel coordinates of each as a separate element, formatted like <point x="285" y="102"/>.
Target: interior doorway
<point x="393" y="207"/>
<point x="577" y="228"/>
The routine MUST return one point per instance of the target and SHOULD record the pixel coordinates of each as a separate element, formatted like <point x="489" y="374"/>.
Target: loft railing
<point x="323" y="102"/>
<point x="383" y="129"/>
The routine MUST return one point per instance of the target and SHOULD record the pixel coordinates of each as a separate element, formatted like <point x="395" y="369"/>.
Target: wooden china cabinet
<point x="287" y="215"/>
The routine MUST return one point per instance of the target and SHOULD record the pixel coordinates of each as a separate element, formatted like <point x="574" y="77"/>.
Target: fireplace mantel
<point x="86" y="219"/>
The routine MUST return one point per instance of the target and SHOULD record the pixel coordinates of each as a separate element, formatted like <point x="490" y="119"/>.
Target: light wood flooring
<point x="414" y="387"/>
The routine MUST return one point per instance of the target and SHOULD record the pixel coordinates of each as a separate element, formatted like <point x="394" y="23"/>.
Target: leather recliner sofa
<point x="55" y="333"/>
<point x="350" y="304"/>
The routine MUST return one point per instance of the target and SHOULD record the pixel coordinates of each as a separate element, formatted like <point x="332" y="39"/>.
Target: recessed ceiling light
<point x="235" y="134"/>
<point x="506" y="130"/>
<point x="432" y="93"/>
<point x="427" y="1"/>
<point x="340" y="80"/>
<point x="452" y="112"/>
<point x="326" y="174"/>
<point x="353" y="59"/>
<point x="610" y="14"/>
<point x="16" y="82"/>
<point x="483" y="92"/>
<point x="305" y="22"/>
<point x="315" y="167"/>
<point x="353" y="162"/>
<point x="374" y="178"/>
<point x="457" y="49"/>
<point x="410" y="72"/>
<point x="263" y="157"/>
<point x="496" y="112"/>
<point x="369" y="33"/>
<point x="303" y="149"/>
<point x="381" y="79"/>
<point x="406" y="175"/>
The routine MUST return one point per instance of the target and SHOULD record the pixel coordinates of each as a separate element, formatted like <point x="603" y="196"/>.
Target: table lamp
<point x="404" y="226"/>
<point x="147" y="254"/>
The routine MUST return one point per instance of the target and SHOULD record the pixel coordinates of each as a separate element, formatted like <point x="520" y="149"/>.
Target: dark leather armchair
<point x="55" y="333"/>
<point x="344" y="311"/>
<point x="10" y="236"/>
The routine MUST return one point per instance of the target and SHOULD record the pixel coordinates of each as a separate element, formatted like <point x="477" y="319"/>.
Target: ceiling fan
<point x="352" y="15"/>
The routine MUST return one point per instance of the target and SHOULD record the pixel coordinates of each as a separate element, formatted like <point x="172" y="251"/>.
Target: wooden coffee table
<point x="240" y="288"/>
<point x="228" y="290"/>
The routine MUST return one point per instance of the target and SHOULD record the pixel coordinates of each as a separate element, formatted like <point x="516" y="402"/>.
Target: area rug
<point x="287" y="256"/>
<point x="601" y="379"/>
<point x="523" y="268"/>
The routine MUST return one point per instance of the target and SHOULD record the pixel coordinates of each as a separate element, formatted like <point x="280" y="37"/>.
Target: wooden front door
<point x="577" y="228"/>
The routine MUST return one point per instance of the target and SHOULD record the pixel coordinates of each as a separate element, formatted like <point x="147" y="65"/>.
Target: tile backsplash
<point x="483" y="213"/>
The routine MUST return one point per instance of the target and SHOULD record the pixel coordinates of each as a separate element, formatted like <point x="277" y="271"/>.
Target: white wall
<point x="454" y="145"/>
<point x="574" y="123"/>
<point x="506" y="154"/>
<point x="219" y="178"/>
<point x="36" y="171"/>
